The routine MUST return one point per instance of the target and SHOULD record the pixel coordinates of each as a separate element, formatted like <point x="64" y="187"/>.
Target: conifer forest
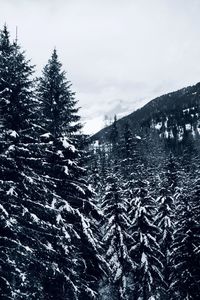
<point x="113" y="216"/>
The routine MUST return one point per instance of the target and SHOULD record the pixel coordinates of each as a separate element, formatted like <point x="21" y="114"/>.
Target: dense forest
<point x="111" y="217"/>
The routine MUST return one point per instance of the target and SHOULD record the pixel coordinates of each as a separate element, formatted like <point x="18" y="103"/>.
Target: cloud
<point x="118" y="54"/>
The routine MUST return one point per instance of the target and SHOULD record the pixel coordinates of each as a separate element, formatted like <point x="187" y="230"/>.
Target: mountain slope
<point x="169" y="113"/>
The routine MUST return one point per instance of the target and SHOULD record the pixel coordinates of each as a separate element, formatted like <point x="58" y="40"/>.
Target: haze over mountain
<point x="118" y="54"/>
<point x="171" y="114"/>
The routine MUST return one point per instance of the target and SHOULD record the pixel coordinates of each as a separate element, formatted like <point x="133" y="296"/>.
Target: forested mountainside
<point x="170" y="113"/>
<point x="145" y="169"/>
<point x="82" y="218"/>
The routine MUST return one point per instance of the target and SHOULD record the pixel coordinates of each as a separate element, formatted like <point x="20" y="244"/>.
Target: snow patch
<point x="66" y="144"/>
<point x="158" y="126"/>
<point x="66" y="170"/>
<point x="188" y="126"/>
<point x="11" y="192"/>
<point x="60" y="153"/>
<point x="46" y="135"/>
<point x="3" y="210"/>
<point x="35" y="218"/>
<point x="13" y="133"/>
<point x="138" y="137"/>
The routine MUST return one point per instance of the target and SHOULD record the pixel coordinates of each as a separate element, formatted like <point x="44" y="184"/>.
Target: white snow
<point x="166" y="122"/>
<point x="171" y="134"/>
<point x="166" y="134"/>
<point x="65" y="143"/>
<point x="11" y="148"/>
<point x="60" y="153"/>
<point x="118" y="273"/>
<point x="29" y="179"/>
<point x="23" y="276"/>
<point x="13" y="133"/>
<point x="13" y="220"/>
<point x="79" y="188"/>
<point x="67" y="236"/>
<point x="46" y="135"/>
<point x="28" y="248"/>
<point x="67" y="207"/>
<point x="58" y="218"/>
<point x="35" y="218"/>
<point x="5" y="90"/>
<point x="66" y="170"/>
<point x="144" y="261"/>
<point x="3" y="210"/>
<point x="70" y="162"/>
<point x="11" y="191"/>
<point x="138" y="137"/>
<point x="91" y="293"/>
<point x="188" y="126"/>
<point x="53" y="203"/>
<point x="49" y="246"/>
<point x="158" y="125"/>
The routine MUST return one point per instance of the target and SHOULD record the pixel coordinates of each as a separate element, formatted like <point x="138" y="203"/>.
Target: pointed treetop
<point x="16" y="36"/>
<point x="4" y="38"/>
<point x="54" y="54"/>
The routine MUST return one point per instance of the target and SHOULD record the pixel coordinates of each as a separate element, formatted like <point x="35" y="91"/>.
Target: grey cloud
<point x="112" y="49"/>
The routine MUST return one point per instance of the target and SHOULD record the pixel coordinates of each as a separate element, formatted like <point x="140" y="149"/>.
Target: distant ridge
<point x="171" y="104"/>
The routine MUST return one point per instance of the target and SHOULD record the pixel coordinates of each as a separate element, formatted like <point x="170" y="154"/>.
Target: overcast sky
<point x="118" y="54"/>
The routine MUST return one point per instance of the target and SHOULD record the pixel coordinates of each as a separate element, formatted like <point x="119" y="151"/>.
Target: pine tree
<point x="57" y="100"/>
<point x="145" y="251"/>
<point x="127" y="149"/>
<point x="35" y="254"/>
<point x="15" y="85"/>
<point x="165" y="220"/>
<point x="63" y="164"/>
<point x="116" y="236"/>
<point x="114" y="139"/>
<point x="185" y="258"/>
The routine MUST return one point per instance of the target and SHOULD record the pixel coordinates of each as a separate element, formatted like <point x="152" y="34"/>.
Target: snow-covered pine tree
<point x="62" y="164"/>
<point x="34" y="244"/>
<point x="185" y="277"/>
<point x="165" y="220"/>
<point x="145" y="251"/>
<point x="127" y="149"/>
<point x="57" y="100"/>
<point x="115" y="231"/>
<point x="15" y="102"/>
<point x="172" y="173"/>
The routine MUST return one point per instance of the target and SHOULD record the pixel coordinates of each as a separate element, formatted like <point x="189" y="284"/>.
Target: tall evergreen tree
<point x="145" y="250"/>
<point x="116" y="237"/>
<point x="35" y="253"/>
<point x="185" y="258"/>
<point x="165" y="220"/>
<point x="58" y="104"/>
<point x="165" y="223"/>
<point x="63" y="164"/>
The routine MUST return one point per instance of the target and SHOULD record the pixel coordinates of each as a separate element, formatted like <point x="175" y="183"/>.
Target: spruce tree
<point x="165" y="220"/>
<point x="58" y="104"/>
<point x="185" y="256"/>
<point x="60" y="130"/>
<point x="35" y="244"/>
<point x="145" y="251"/>
<point x="116" y="236"/>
